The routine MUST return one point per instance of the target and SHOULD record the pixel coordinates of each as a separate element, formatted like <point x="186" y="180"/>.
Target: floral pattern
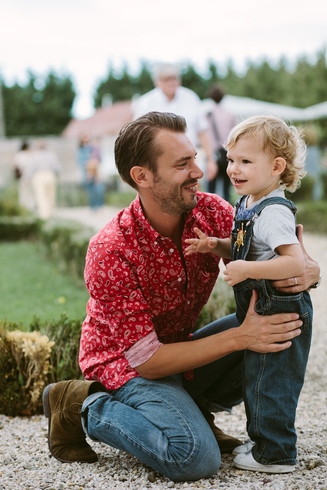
<point x="137" y="285"/>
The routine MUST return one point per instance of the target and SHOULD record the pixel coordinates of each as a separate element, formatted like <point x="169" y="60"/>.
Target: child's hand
<point x="203" y="244"/>
<point x="236" y="272"/>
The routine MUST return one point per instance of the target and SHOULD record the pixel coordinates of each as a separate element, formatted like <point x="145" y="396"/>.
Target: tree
<point x="120" y="87"/>
<point x="143" y="82"/>
<point x="41" y="107"/>
<point x="192" y="80"/>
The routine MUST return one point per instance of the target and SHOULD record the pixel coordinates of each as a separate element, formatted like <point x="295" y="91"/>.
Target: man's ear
<point x="141" y="176"/>
<point x="279" y="166"/>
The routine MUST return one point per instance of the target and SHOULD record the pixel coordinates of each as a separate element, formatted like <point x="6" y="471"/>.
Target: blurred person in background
<point x="95" y="188"/>
<point x="86" y="152"/>
<point x="169" y="96"/>
<point x="21" y="163"/>
<point x="44" y="171"/>
<point x="220" y="124"/>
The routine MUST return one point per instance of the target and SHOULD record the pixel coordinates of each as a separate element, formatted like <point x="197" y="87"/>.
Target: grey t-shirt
<point x="274" y="227"/>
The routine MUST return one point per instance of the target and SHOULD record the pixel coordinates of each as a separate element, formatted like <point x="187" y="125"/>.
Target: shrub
<point x="9" y="202"/>
<point x="323" y="178"/>
<point x="304" y="192"/>
<point x="11" y="390"/>
<point x="14" y="228"/>
<point x="29" y="361"/>
<point x="220" y="304"/>
<point x="313" y="216"/>
<point x="24" y="369"/>
<point x="65" y="335"/>
<point x="66" y="243"/>
<point x="31" y="351"/>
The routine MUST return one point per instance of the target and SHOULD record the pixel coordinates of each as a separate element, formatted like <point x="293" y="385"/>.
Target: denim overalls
<point x="271" y="382"/>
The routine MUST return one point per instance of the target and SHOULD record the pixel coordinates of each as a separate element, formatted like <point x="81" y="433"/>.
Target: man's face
<point x="168" y="84"/>
<point x="175" y="183"/>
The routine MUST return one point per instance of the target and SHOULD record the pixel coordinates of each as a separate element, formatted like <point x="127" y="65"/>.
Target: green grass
<point x="32" y="286"/>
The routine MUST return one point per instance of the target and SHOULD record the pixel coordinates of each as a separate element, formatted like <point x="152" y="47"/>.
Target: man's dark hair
<point x="136" y="143"/>
<point x="216" y="93"/>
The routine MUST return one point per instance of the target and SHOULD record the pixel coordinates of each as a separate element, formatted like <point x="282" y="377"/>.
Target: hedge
<point x="14" y="228"/>
<point x="30" y="360"/>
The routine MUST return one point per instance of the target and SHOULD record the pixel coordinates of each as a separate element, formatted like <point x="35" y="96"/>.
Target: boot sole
<point x="47" y="413"/>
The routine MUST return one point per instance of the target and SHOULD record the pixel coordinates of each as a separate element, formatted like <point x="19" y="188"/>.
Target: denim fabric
<point x="95" y="191"/>
<point x="272" y="382"/>
<point x="159" y="422"/>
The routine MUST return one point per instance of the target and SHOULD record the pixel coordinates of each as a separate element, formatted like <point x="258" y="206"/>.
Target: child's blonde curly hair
<point x="280" y="140"/>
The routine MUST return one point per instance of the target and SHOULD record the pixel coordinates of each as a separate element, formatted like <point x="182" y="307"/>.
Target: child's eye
<point x="245" y="161"/>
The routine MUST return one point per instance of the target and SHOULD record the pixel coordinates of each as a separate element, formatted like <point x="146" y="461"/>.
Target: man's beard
<point x="169" y="196"/>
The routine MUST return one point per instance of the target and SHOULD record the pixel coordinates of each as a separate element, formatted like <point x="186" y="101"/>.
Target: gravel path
<point x="25" y="462"/>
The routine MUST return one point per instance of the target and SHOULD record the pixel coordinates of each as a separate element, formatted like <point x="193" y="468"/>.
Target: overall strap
<point x="275" y="200"/>
<point x="238" y="204"/>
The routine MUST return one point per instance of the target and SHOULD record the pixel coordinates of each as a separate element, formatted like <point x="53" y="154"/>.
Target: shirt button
<point x="171" y="250"/>
<point x="156" y="243"/>
<point x="179" y="279"/>
<point x="188" y="302"/>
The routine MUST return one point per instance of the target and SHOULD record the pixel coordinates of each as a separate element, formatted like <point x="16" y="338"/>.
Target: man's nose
<point x="196" y="172"/>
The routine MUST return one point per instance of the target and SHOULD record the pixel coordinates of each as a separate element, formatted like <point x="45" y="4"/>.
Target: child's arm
<point x="290" y="263"/>
<point x="204" y="244"/>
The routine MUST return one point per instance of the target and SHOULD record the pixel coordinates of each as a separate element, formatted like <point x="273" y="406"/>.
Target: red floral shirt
<point x="139" y="290"/>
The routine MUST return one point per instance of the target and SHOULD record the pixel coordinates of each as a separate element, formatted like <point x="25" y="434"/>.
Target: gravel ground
<point x="25" y="462"/>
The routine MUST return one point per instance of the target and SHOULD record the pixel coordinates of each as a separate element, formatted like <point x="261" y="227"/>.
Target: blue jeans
<point x="95" y="191"/>
<point x="271" y="382"/>
<point x="159" y="422"/>
<point x="272" y="386"/>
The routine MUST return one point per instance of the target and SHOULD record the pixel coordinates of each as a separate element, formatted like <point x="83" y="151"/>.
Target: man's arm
<point x="257" y="333"/>
<point x="302" y="282"/>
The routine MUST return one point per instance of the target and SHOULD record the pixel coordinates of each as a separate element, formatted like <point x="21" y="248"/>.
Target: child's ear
<point x="279" y="166"/>
<point x="141" y="176"/>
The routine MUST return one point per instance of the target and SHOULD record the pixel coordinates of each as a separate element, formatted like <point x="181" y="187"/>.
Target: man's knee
<point x="204" y="465"/>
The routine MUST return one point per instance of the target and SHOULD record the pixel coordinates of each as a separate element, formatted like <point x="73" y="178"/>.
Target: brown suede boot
<point x="62" y="403"/>
<point x="225" y="442"/>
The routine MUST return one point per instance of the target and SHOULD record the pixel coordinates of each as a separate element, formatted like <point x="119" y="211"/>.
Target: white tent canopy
<point x="243" y="107"/>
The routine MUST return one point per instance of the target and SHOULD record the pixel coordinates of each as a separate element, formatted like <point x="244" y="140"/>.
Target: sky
<point x="82" y="37"/>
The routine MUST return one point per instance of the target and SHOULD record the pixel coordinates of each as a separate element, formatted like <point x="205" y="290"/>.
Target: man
<point x="151" y="389"/>
<point x="169" y="96"/>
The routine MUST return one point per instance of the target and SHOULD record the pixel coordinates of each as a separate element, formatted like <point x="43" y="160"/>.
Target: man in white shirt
<point x="169" y="96"/>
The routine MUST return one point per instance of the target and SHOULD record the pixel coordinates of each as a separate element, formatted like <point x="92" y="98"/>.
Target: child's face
<point x="251" y="169"/>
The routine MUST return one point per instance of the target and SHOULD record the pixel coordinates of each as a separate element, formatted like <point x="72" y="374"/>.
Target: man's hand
<point x="306" y="279"/>
<point x="263" y="333"/>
